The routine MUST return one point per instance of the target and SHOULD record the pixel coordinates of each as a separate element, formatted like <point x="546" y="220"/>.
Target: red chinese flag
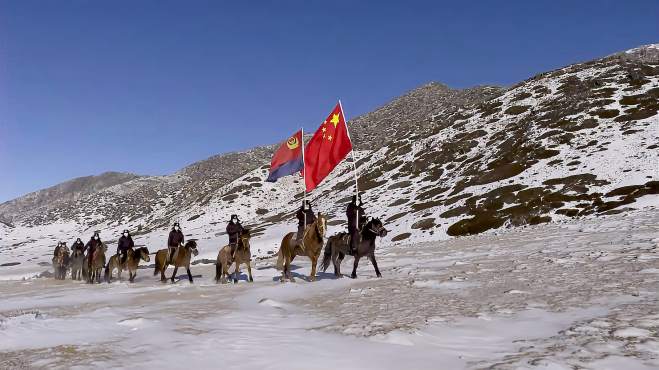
<point x="326" y="149"/>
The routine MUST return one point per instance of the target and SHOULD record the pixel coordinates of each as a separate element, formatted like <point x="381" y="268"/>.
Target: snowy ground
<point x="582" y="294"/>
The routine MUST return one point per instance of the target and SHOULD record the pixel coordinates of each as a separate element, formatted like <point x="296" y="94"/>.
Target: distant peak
<point x="645" y="53"/>
<point x="643" y="48"/>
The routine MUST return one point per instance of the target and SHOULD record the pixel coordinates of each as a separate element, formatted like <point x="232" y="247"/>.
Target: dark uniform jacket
<point x="311" y="217"/>
<point x="355" y="215"/>
<point x="78" y="245"/>
<point x="125" y="243"/>
<point x="175" y="238"/>
<point x="234" y="231"/>
<point x="92" y="244"/>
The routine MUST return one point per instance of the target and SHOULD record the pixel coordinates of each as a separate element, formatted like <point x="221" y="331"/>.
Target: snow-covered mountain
<point x="580" y="141"/>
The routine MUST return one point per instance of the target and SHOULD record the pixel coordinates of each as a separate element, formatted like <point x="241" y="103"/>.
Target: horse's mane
<point x="320" y="215"/>
<point x="139" y="250"/>
<point x="191" y="244"/>
<point x="315" y="224"/>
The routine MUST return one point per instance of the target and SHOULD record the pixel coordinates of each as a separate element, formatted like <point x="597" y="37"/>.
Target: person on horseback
<point x="356" y="220"/>
<point x="59" y="244"/>
<point x="125" y="244"/>
<point x="234" y="229"/>
<point x="305" y="216"/>
<point x="78" y="245"/>
<point x="175" y="239"/>
<point x="91" y="246"/>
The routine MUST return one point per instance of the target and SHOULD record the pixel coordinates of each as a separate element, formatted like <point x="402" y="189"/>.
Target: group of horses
<point x="78" y="262"/>
<point x="310" y="244"/>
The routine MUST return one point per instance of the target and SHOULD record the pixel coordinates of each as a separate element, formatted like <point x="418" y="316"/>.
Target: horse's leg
<point x="289" y="262"/>
<point x="354" y="268"/>
<point x="225" y="273"/>
<point x="163" y="278"/>
<point x="336" y="263"/>
<point x="284" y="270"/>
<point x="236" y="272"/>
<point x="249" y="271"/>
<point x="174" y="273"/>
<point x="314" y="260"/>
<point x="375" y="264"/>
<point x="187" y="268"/>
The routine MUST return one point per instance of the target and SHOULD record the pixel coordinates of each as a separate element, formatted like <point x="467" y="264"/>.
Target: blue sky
<point x="151" y="86"/>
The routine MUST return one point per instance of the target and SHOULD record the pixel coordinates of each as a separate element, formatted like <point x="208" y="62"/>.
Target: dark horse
<point x="77" y="263"/>
<point x="338" y="246"/>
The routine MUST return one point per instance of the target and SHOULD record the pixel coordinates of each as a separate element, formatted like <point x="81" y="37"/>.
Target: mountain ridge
<point x="576" y="142"/>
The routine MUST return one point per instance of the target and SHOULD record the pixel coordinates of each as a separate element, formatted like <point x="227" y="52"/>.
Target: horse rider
<point x="91" y="246"/>
<point x="175" y="239"/>
<point x="59" y="244"/>
<point x="125" y="244"/>
<point x="78" y="245"/>
<point x="234" y="229"/>
<point x="305" y="216"/>
<point x="356" y="218"/>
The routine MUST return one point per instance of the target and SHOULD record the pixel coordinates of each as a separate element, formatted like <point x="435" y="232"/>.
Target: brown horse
<point x="312" y="244"/>
<point x="77" y="263"/>
<point x="98" y="263"/>
<point x="61" y="262"/>
<point x="132" y="260"/>
<point x="181" y="258"/>
<point x="241" y="255"/>
<point x="339" y="245"/>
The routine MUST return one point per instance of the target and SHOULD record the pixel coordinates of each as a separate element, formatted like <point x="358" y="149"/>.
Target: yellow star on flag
<point x="335" y="119"/>
<point x="324" y="128"/>
<point x="329" y="138"/>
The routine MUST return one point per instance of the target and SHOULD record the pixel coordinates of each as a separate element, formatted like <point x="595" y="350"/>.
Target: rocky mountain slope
<point x="92" y="200"/>
<point x="71" y="190"/>
<point x="580" y="141"/>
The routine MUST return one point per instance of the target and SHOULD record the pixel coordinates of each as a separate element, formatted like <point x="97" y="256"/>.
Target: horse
<point x="98" y="263"/>
<point x="312" y="245"/>
<point x="338" y="246"/>
<point x="61" y="262"/>
<point x="241" y="255"/>
<point x="181" y="258"/>
<point x="133" y="258"/>
<point x="77" y="263"/>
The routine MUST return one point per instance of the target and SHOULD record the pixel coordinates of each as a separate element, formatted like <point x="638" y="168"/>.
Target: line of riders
<point x="305" y="215"/>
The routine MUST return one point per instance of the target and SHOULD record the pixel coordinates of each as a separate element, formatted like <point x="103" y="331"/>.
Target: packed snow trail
<point x="564" y="295"/>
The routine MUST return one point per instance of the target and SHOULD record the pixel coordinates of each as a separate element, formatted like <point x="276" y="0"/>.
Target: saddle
<point x="347" y="238"/>
<point x="299" y="239"/>
<point x="172" y="253"/>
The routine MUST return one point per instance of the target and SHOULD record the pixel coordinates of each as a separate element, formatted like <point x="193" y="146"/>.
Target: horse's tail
<point x="280" y="257"/>
<point x="218" y="271"/>
<point x="107" y="273"/>
<point x="327" y="256"/>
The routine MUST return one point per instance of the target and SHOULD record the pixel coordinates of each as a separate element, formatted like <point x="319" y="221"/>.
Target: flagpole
<point x="352" y="151"/>
<point x="304" y="185"/>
